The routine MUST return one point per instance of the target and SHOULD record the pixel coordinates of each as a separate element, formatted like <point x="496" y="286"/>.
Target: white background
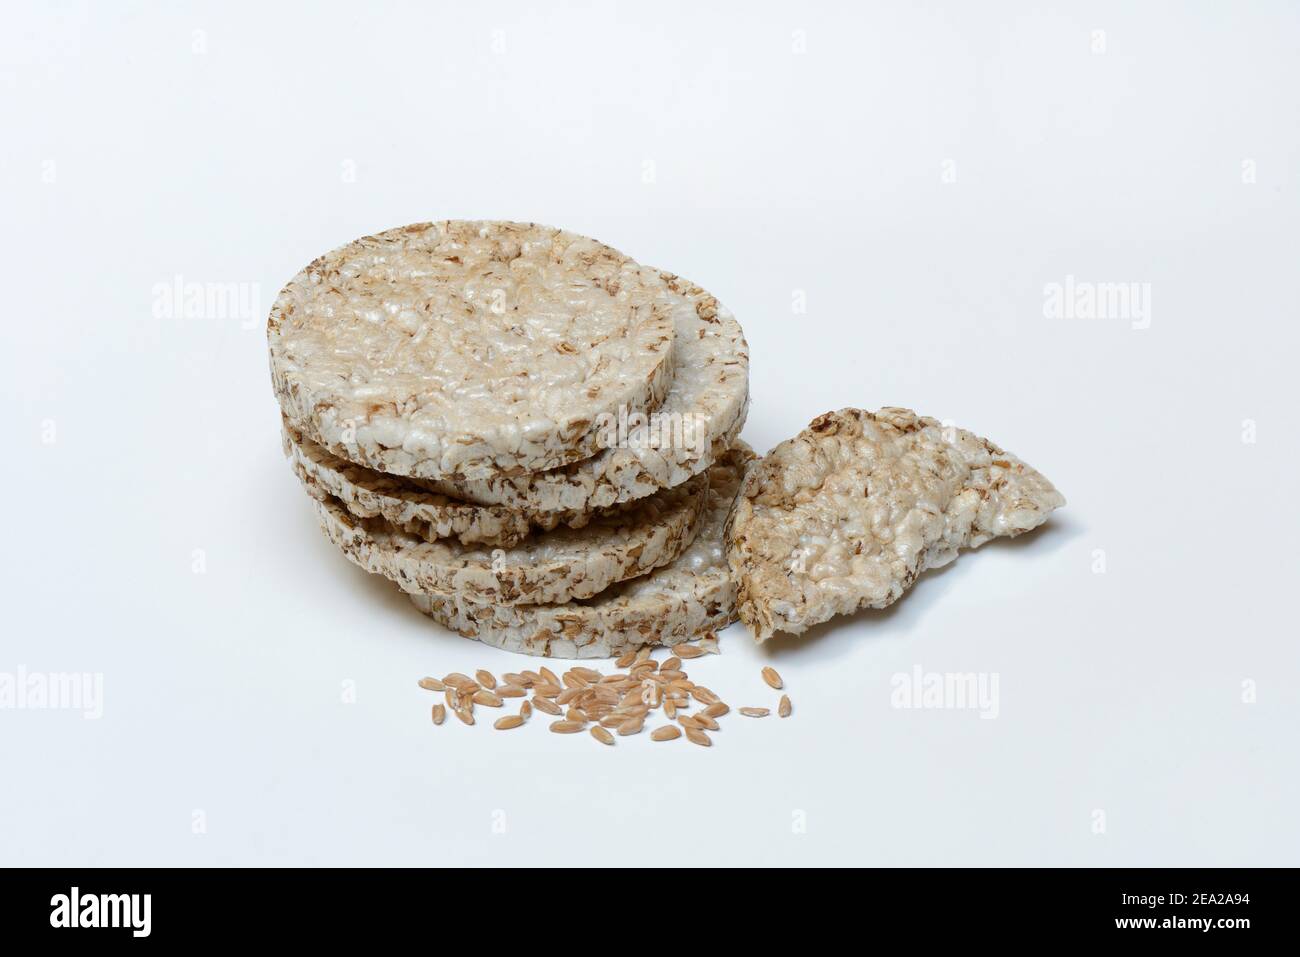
<point x="789" y="148"/>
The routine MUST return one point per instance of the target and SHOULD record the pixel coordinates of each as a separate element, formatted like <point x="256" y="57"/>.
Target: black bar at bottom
<point x="440" y="906"/>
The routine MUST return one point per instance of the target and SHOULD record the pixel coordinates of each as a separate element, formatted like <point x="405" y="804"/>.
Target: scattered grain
<point x="632" y="725"/>
<point x="546" y="705"/>
<point x="703" y="695"/>
<point x="665" y="733"/>
<point x="772" y="678"/>
<point x="755" y="712"/>
<point x="784" y="708"/>
<point x="508" y="722"/>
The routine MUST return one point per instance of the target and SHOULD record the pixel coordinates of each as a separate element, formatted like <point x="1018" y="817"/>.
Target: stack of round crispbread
<point x="530" y="433"/>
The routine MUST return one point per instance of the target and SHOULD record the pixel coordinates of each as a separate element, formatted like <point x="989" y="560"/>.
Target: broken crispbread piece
<point x="849" y="512"/>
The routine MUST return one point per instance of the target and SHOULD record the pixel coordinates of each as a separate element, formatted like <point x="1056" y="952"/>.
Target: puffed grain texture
<point x="849" y="512"/>
<point x="550" y="567"/>
<point x="706" y="405"/>
<point x="462" y="349"/>
<point x="676" y="603"/>
<point x="406" y="503"/>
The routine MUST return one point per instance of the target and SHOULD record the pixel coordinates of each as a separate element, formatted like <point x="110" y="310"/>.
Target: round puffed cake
<point x="550" y="567"/>
<point x="676" y="603"/>
<point x="408" y="504"/>
<point x="699" y="419"/>
<point x="464" y="350"/>
<point x="850" y="511"/>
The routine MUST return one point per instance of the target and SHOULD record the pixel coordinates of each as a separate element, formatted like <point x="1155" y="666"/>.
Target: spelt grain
<point x="464" y="716"/>
<point x="432" y="684"/>
<point x="772" y="678"/>
<point x="439" y="713"/>
<point x="665" y="733"/>
<point x="696" y="736"/>
<point x="784" y="708"/>
<point x="508" y="722"/>
<point x="511" y="691"/>
<point x="601" y="735"/>
<point x="486" y="679"/>
<point x="716" y="710"/>
<point x="703" y="695"/>
<point x="487" y="699"/>
<point x="546" y="705"/>
<point x="566" y="727"/>
<point x="687" y="651"/>
<point x="525" y="711"/>
<point x="755" y="712"/>
<point x="632" y="725"/>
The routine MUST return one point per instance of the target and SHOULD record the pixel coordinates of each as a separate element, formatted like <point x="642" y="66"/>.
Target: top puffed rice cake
<point x="465" y="350"/>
